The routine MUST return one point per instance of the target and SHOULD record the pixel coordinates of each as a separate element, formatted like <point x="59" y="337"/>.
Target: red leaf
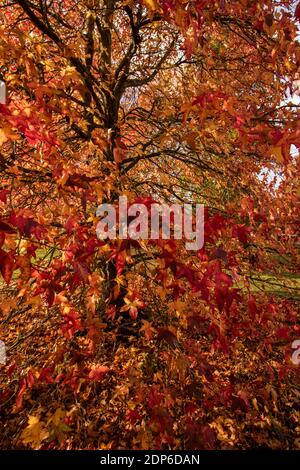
<point x="4" y="227"/>
<point x="155" y="397"/>
<point x="45" y="375"/>
<point x="223" y="278"/>
<point x="221" y="294"/>
<point x="241" y="232"/>
<point x="208" y="97"/>
<point x="133" y="416"/>
<point x="297" y="12"/>
<point x="240" y="402"/>
<point x="283" y="333"/>
<point x="133" y="312"/>
<point x="252" y="308"/>
<point x="208" y="437"/>
<point x="97" y="372"/>
<point x="30" y="379"/>
<point x="20" y="394"/>
<point x="27" y="226"/>
<point x="70" y="225"/>
<point x="6" y="266"/>
<point x="2" y="238"/>
<point x="81" y="272"/>
<point x="71" y="325"/>
<point x="11" y="368"/>
<point x="3" y="195"/>
<point x="111" y="312"/>
<point x="120" y="263"/>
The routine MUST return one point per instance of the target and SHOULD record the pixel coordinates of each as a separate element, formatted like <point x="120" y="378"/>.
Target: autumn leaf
<point x="6" y="265"/>
<point x="166" y="335"/>
<point x="297" y="12"/>
<point x="241" y="232"/>
<point x="166" y="102"/>
<point x="277" y="153"/>
<point x="147" y="329"/>
<point x="4" y="227"/>
<point x="57" y="426"/>
<point x="3" y="195"/>
<point x="27" y="226"/>
<point x="152" y="4"/>
<point x="97" y="372"/>
<point x="35" y="432"/>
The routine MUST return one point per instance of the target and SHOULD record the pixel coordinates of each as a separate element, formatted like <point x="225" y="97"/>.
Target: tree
<point x="162" y="101"/>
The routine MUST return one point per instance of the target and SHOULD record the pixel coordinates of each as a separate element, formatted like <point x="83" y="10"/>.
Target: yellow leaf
<point x="254" y="402"/>
<point x="57" y="426"/>
<point x="152" y="5"/>
<point x="277" y="153"/>
<point x="3" y="137"/>
<point x="7" y="133"/>
<point x="34" y="433"/>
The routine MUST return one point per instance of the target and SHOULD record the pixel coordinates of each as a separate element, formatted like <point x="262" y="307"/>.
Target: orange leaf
<point x="97" y="372"/>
